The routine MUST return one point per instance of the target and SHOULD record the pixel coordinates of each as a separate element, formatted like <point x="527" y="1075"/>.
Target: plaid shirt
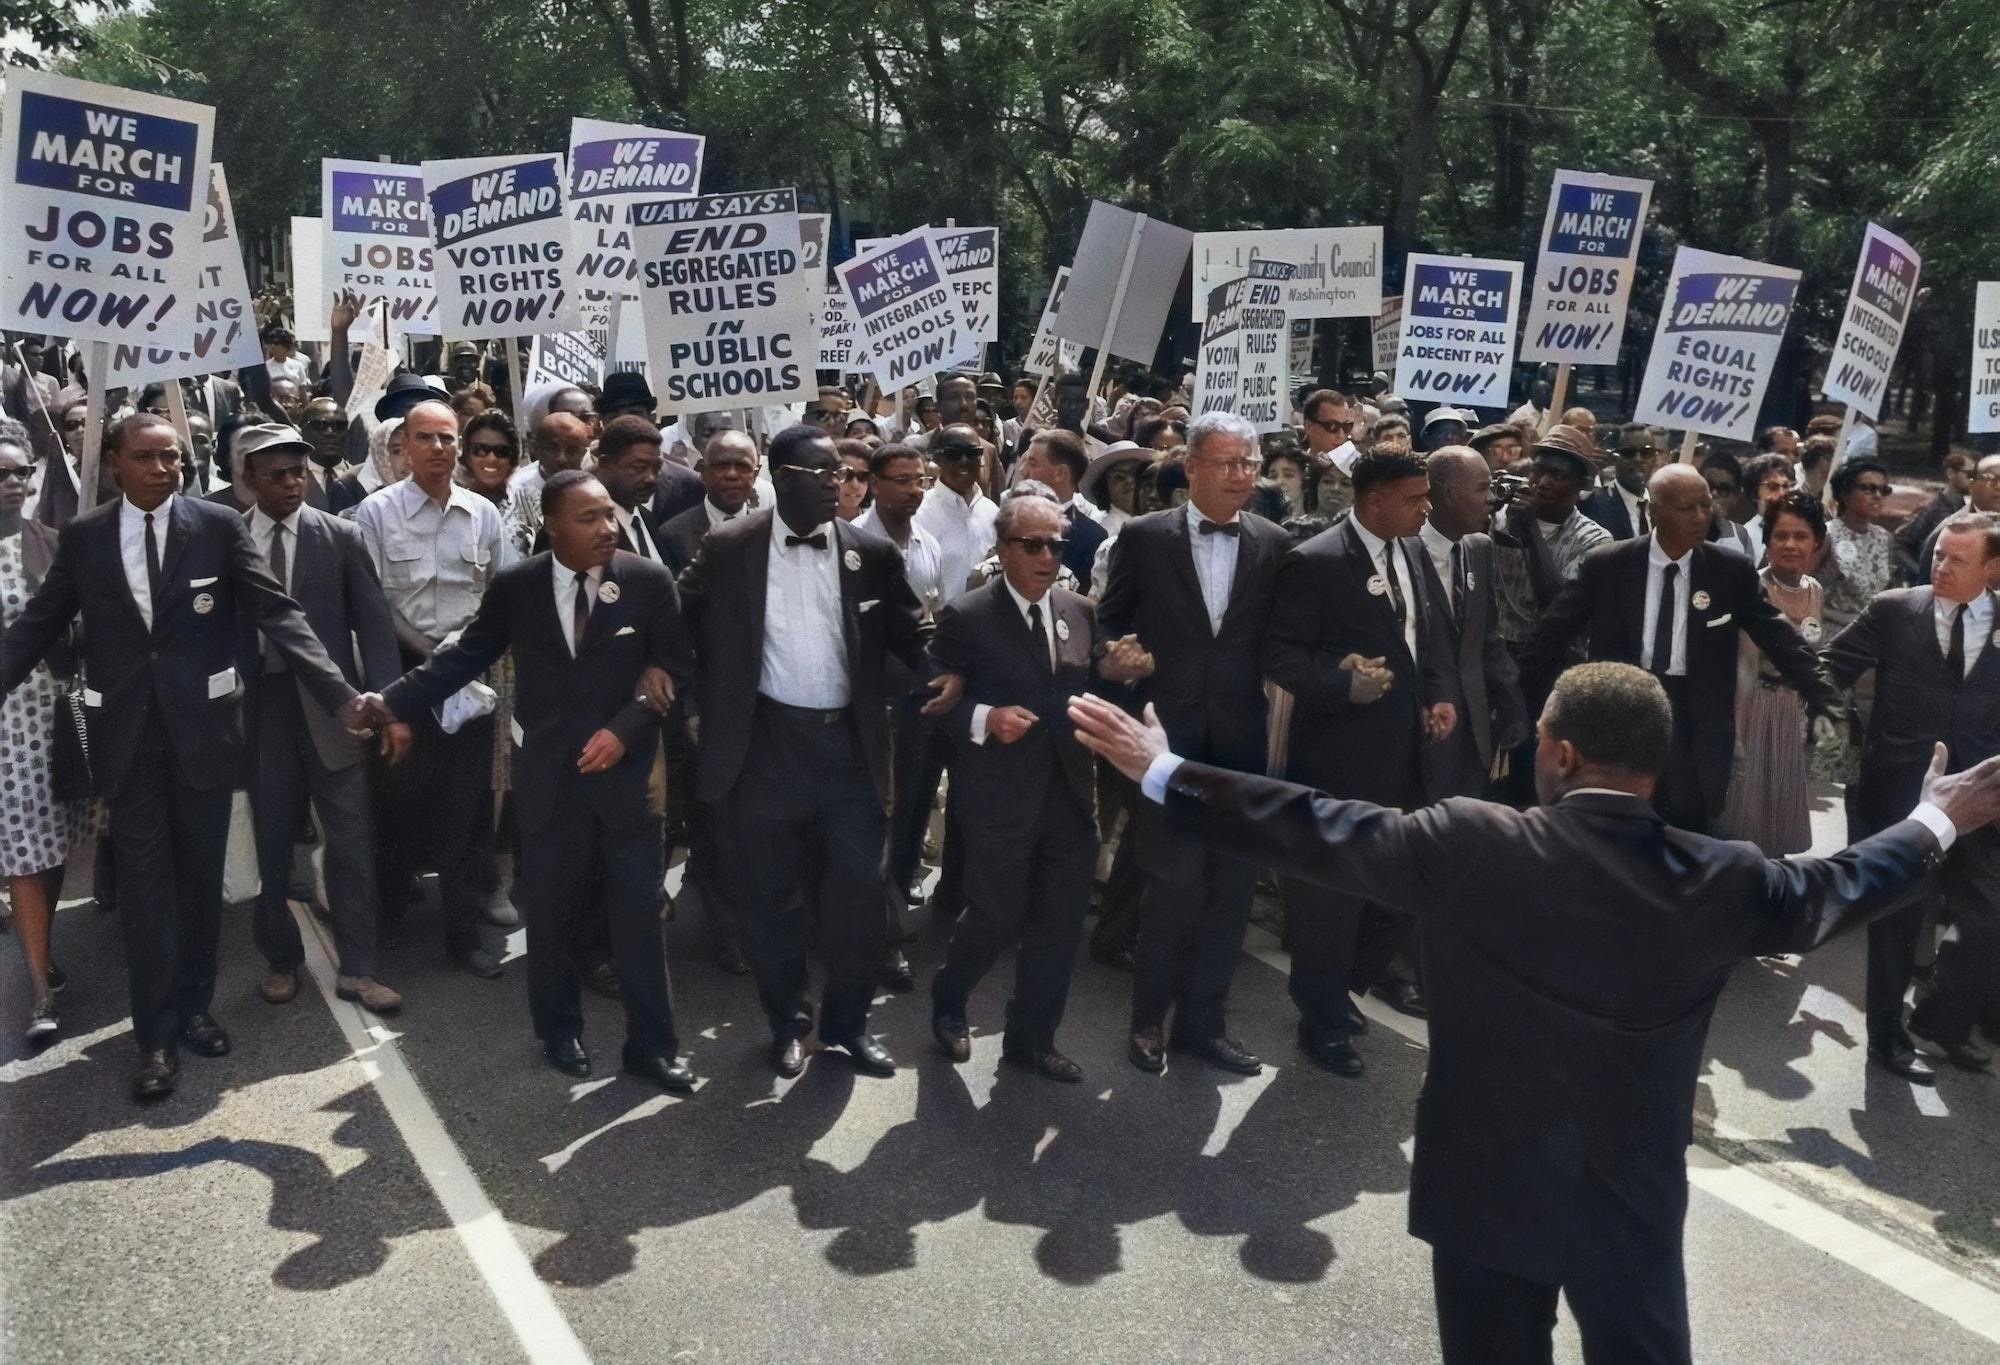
<point x="1569" y="543"/>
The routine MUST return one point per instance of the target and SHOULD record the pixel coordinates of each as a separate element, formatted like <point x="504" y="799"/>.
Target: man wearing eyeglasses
<point x="795" y="614"/>
<point x="1329" y="420"/>
<point x="1984" y="496"/>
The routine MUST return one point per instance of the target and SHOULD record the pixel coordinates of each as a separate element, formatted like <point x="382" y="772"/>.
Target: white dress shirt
<point x="262" y="528"/>
<point x="1633" y="502"/>
<point x="634" y="527"/>
<point x="1406" y="581"/>
<point x="921" y="559"/>
<point x="717" y="517"/>
<point x="963" y="529"/>
<point x="1214" y="563"/>
<point x="132" y="548"/>
<point x="435" y="561"/>
<point x="1021" y="604"/>
<point x="565" y="585"/>
<point x="1439" y="546"/>
<point x="1656" y="569"/>
<point x="1978" y="626"/>
<point x="805" y="647"/>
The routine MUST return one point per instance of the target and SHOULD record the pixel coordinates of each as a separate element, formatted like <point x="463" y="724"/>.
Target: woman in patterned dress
<point x="1860" y="549"/>
<point x="37" y="830"/>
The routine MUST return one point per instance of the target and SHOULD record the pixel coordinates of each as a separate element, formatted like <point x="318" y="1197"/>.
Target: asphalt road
<point x="341" y="1190"/>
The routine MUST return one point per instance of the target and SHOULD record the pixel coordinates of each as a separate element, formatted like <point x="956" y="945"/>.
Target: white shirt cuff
<point x="1154" y="783"/>
<point x="979" y="713"/>
<point x="1938" y="823"/>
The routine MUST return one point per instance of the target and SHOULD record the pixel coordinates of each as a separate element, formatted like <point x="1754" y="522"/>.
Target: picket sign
<point x="177" y="413"/>
<point x="1558" y="395"/>
<point x="1117" y="301"/>
<point x="1687" y="445"/>
<point x="517" y="380"/>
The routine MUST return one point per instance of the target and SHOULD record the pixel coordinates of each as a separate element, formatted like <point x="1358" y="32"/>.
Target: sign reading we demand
<point x="1719" y="332"/>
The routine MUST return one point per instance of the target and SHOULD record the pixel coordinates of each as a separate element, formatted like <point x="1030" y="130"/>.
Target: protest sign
<point x="501" y="231"/>
<point x="908" y="315"/>
<point x="309" y="299"/>
<point x="1050" y="355"/>
<point x="371" y="379"/>
<point x="101" y="211"/>
<point x="831" y="320"/>
<point x="1457" y="344"/>
<point x="1298" y="364"/>
<point x="722" y="287"/>
<point x="1985" y="386"/>
<point x="1721" y="322"/>
<point x="1122" y="283"/>
<point x="971" y="261"/>
<point x="1583" y="278"/>
<point x="1339" y="269"/>
<point x="1219" y="359"/>
<point x="1387" y="331"/>
<point x="225" y="325"/>
<point x="567" y="358"/>
<point x="376" y="234"/>
<point x="611" y="167"/>
<point x="1241" y="366"/>
<point x="1871" y="330"/>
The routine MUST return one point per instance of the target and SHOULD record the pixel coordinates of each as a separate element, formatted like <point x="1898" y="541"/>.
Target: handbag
<point x="69" y="765"/>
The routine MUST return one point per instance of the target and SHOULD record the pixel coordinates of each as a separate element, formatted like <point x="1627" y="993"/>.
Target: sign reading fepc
<point x="102" y="210"/>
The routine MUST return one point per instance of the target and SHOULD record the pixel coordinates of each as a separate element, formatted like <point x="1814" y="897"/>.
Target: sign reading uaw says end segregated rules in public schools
<point x="1720" y="327"/>
<point x="1457" y="344"/>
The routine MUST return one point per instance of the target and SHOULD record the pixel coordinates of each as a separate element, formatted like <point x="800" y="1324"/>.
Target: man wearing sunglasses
<point x="1329" y="420"/>
<point x="795" y="614"/>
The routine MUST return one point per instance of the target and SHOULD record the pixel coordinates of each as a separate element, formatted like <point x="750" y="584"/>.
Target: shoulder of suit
<point x="869" y="538"/>
<point x="686" y="517"/>
<point x="632" y="568"/>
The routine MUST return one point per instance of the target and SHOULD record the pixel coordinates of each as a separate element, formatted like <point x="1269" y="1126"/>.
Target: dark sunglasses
<point x="25" y="473"/>
<point x="1036" y="545"/>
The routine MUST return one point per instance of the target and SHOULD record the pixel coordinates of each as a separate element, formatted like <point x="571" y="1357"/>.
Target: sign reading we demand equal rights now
<point x="1719" y="332"/>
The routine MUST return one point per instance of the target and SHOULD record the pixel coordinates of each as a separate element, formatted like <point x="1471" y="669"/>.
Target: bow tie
<point x="817" y="540"/>
<point x="1221" y="528"/>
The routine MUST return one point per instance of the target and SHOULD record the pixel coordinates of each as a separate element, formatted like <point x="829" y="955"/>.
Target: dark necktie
<point x="817" y="540"/>
<point x="1954" y="656"/>
<point x="1040" y="632"/>
<point x="579" y="613"/>
<point x="636" y="534"/>
<point x="1221" y="528"/>
<point x="1645" y="526"/>
<point x="1663" y="621"/>
<point x="1396" y="601"/>
<point x="278" y="561"/>
<point x="1457" y="582"/>
<point x="152" y="565"/>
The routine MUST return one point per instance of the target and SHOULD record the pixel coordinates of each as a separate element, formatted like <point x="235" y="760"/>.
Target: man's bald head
<point x="561" y="440"/>
<point x="1682" y="506"/>
<point x="1461" y="486"/>
<point x="730" y="445"/>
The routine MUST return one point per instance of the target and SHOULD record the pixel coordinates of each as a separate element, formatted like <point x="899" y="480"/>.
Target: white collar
<point x="716" y="516"/>
<point x="566" y="577"/>
<point x="412" y="493"/>
<point x="1373" y="543"/>
<point x="1438" y="540"/>
<point x="261" y="522"/>
<point x="957" y="500"/>
<point x="1657" y="557"/>
<point x="161" y="514"/>
<point x="1022" y="604"/>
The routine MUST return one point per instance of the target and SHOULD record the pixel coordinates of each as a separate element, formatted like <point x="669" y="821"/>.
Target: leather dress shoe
<point x="869" y="1056"/>
<point x="1226" y="1053"/>
<point x="369" y="993"/>
<point x="730" y="959"/>
<point x="913" y="894"/>
<point x="480" y="963"/>
<point x="280" y="988"/>
<point x="668" y="1073"/>
<point x="1903" y="1061"/>
<point x="567" y="1056"/>
<point x="1338" y="1056"/>
<point x="788" y="1056"/>
<point x="157" y="1074"/>
<point x="1404" y="997"/>
<point x="1966" y="1056"/>
<point x="896" y="973"/>
<point x="1145" y="1051"/>
<point x="602" y="980"/>
<point x="954" y="1039"/>
<point x="500" y="913"/>
<point x="204" y="1036"/>
<point x="1048" y="1063"/>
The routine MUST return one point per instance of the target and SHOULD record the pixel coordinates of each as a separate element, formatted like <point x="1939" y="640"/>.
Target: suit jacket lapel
<point x="1250" y="553"/>
<point x="1369" y="569"/>
<point x="850" y="595"/>
<point x="178" y="534"/>
<point x="759" y="546"/>
<point x="1180" y="549"/>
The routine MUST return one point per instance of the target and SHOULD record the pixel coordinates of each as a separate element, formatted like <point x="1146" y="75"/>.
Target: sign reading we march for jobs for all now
<point x="1457" y="343"/>
<point x="102" y="211"/>
<point x="502" y="236"/>
<point x="376" y="237"/>
<point x="1583" y="279"/>
<point x="1721" y="323"/>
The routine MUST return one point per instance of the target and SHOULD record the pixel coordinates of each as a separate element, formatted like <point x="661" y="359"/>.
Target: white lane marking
<point x="544" y="1333"/>
<point x="1048" y="1136"/>
<point x="62" y="1053"/>
<point x="582" y="1088"/>
<point x="1966" y="1302"/>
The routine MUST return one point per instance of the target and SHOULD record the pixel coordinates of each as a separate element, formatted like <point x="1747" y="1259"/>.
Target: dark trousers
<point x="289" y="769"/>
<point x="168" y="843"/>
<point x="805" y="800"/>
<point x="1191" y="923"/>
<point x="556" y="887"/>
<point x="1031" y="868"/>
<point x="1629" y="1302"/>
<point x="922" y="755"/>
<point x="1965" y="987"/>
<point x="1339" y="944"/>
<point x="428" y="812"/>
<point x="1678" y="797"/>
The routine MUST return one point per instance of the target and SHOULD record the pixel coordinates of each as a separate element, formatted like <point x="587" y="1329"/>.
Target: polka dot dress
<point x="36" y="830"/>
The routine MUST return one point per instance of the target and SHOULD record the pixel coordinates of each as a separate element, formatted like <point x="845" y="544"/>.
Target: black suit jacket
<point x="186" y="663"/>
<point x="1206" y="684"/>
<point x="1573" y="954"/>
<point x="1917" y="702"/>
<point x="680" y="538"/>
<point x="334" y="583"/>
<point x="1081" y="537"/>
<point x="722" y="593"/>
<point x="1607" y="509"/>
<point x="678" y="489"/>
<point x="561" y="700"/>
<point x="1324" y="612"/>
<point x="1480" y="678"/>
<point x="983" y="637"/>
<point x="1607" y="599"/>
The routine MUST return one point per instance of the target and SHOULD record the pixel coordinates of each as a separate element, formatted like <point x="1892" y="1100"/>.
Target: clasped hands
<point x="366" y="714"/>
<point x="1371" y="682"/>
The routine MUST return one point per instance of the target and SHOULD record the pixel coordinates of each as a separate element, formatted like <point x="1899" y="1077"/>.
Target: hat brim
<point x="399" y="403"/>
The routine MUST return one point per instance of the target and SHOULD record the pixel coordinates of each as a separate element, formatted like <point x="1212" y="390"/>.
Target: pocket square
<point x="871" y="602"/>
<point x="200" y="582"/>
<point x="626" y="630"/>
<point x="1722" y="620"/>
<point x="221" y="684"/>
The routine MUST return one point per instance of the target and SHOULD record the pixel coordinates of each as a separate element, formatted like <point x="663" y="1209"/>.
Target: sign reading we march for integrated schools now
<point x="102" y="209"/>
<point x="1583" y="279"/>
<point x="1871" y="330"/>
<point x="376" y="235"/>
<point x="723" y="286"/>
<point x="225" y="326"/>
<point x="908" y="315"/>
<point x="502" y="235"/>
<point x="1721" y="323"/>
<point x="613" y="166"/>
<point x="1457" y="344"/>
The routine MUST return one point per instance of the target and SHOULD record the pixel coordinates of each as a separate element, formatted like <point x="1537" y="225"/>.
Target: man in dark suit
<point x="1460" y="583"/>
<point x="585" y="621"/>
<point x="1624" y="507"/>
<point x="1937" y="681"/>
<point x="159" y="580"/>
<point x="1604" y="935"/>
<point x="728" y="473"/>
<point x="1058" y="458"/>
<point x="1674" y="586"/>
<point x="1023" y="647"/>
<point x="1350" y="640"/>
<point x="794" y="613"/>
<point x="1189" y="592"/>
<point x="301" y="749"/>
